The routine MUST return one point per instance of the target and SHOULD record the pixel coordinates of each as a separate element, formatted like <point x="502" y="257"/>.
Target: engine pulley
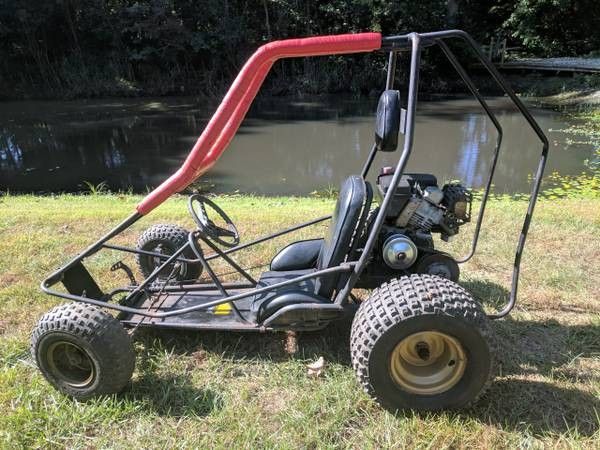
<point x="399" y="252"/>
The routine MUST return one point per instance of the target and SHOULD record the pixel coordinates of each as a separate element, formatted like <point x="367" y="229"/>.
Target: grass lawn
<point x="243" y="390"/>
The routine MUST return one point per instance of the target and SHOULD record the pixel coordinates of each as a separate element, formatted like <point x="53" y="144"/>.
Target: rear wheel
<point x="166" y="239"/>
<point x="422" y="342"/>
<point x="83" y="351"/>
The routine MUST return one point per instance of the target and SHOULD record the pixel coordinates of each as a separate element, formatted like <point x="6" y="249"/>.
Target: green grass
<point x="233" y="390"/>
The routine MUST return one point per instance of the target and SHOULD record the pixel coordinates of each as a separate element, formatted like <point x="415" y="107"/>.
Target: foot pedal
<point x="120" y="265"/>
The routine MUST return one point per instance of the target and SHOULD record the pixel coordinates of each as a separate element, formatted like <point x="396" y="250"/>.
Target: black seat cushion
<point x="350" y="213"/>
<point x="339" y="245"/>
<point x="298" y="255"/>
<point x="274" y="277"/>
<point x="287" y="298"/>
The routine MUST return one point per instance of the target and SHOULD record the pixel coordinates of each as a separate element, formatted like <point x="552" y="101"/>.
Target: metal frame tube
<point x="342" y="295"/>
<point x="391" y="70"/>
<point x="537" y="178"/>
<point x="365" y="170"/>
<point x="389" y="84"/>
<point x="211" y="273"/>
<point x="345" y="267"/>
<point x="397" y="43"/>
<point x="499" y="134"/>
<point x="415" y="42"/>
<point x="226" y="252"/>
<point x="229" y="260"/>
<point x="155" y="273"/>
<point x="56" y="276"/>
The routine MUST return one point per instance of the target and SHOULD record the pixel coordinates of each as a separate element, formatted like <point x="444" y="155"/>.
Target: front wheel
<point x="166" y="239"/>
<point x="83" y="351"/>
<point x="422" y="342"/>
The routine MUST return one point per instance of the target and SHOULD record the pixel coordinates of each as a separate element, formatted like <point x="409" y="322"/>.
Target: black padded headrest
<point x="387" y="123"/>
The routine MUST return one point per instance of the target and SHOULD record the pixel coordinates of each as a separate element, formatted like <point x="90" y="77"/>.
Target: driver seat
<point x="339" y="245"/>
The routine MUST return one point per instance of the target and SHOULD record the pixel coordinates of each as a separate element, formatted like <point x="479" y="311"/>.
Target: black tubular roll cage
<point x="413" y="43"/>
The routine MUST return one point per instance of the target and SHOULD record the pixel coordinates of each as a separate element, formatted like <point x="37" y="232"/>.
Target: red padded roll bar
<point x="228" y="117"/>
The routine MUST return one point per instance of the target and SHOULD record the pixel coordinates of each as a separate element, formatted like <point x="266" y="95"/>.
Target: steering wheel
<point x="227" y="236"/>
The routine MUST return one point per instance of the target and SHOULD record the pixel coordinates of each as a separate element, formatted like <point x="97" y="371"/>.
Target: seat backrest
<point x="350" y="212"/>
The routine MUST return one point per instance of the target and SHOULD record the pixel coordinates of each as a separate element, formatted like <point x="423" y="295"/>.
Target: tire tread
<point x="174" y="234"/>
<point x="404" y="298"/>
<point x="102" y="332"/>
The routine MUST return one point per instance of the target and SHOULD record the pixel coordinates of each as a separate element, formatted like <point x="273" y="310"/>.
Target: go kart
<point x="419" y="340"/>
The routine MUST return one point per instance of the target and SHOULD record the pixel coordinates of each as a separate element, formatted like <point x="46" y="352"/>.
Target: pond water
<point x="285" y="146"/>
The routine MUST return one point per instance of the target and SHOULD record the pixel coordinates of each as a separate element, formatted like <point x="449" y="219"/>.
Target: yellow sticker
<point x="223" y="308"/>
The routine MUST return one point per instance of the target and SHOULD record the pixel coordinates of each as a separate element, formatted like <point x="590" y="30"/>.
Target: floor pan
<point x="217" y="317"/>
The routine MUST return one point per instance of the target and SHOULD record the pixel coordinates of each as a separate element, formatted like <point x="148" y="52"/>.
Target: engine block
<point x="419" y="205"/>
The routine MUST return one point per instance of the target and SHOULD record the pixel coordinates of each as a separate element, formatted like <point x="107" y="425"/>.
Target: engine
<point x="435" y="209"/>
<point x="419" y="208"/>
<point x="420" y="205"/>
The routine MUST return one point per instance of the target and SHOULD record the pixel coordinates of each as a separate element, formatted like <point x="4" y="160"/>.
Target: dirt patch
<point x="199" y="358"/>
<point x="8" y="278"/>
<point x="273" y="402"/>
<point x="580" y="370"/>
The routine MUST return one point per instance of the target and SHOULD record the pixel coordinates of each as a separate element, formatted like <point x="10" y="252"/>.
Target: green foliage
<point x="74" y="47"/>
<point x="125" y="47"/>
<point x="97" y="189"/>
<point x="580" y="186"/>
<point x="556" y="27"/>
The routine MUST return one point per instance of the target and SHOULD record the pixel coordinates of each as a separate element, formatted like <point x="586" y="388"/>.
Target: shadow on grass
<point x="538" y="407"/>
<point x="487" y="293"/>
<point x="530" y="349"/>
<point x="173" y="396"/>
<point x="331" y="343"/>
<point x="517" y="400"/>
<point x="538" y="346"/>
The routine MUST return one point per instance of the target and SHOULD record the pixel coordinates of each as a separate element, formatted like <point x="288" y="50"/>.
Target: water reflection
<point x="11" y="155"/>
<point x="283" y="147"/>
<point x="468" y="166"/>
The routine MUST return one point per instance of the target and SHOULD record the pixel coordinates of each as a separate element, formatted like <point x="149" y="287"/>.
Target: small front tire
<point x="83" y="351"/>
<point x="422" y="342"/>
<point x="166" y="239"/>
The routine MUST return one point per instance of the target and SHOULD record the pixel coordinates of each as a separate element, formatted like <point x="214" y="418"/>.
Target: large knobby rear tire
<point x="83" y="351"/>
<point x="166" y="239"/>
<point x="422" y="342"/>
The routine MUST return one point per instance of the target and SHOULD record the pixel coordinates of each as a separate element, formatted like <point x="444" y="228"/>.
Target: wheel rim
<point x="70" y="363"/>
<point x="440" y="269"/>
<point x="180" y="268"/>
<point x="427" y="363"/>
